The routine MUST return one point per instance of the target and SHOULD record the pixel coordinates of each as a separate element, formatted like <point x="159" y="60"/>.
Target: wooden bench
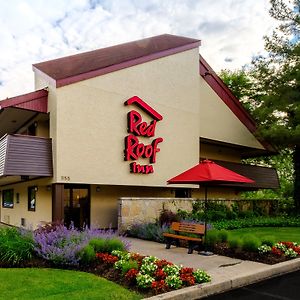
<point x="193" y="242"/>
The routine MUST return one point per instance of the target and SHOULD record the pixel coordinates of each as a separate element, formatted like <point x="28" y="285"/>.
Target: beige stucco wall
<point x="43" y="212"/>
<point x="218" y="122"/>
<point x="91" y="122"/>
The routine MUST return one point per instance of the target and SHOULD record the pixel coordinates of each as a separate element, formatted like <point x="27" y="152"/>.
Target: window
<point x="183" y="193"/>
<point x="32" y="198"/>
<point x="8" y="198"/>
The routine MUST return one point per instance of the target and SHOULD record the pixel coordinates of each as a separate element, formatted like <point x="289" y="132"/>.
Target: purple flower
<point x="62" y="245"/>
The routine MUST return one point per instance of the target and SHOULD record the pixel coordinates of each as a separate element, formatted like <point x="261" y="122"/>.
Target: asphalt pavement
<point x="286" y="287"/>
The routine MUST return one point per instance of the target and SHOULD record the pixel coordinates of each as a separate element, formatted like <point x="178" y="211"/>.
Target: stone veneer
<point x="143" y="210"/>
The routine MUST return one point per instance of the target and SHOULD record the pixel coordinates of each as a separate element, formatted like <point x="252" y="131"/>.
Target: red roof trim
<point x="144" y="106"/>
<point x="233" y="103"/>
<point x="35" y="101"/>
<point x="123" y="65"/>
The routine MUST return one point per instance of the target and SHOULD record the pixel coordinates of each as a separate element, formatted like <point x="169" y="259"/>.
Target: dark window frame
<point x="5" y="203"/>
<point x="31" y="206"/>
<point x="183" y="193"/>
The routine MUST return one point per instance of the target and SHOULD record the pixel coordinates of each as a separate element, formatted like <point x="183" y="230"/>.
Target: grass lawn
<point x="58" y="284"/>
<point x="291" y="234"/>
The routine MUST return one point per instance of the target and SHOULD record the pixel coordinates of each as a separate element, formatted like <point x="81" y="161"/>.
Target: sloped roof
<point x="36" y="101"/>
<point x="74" y="68"/>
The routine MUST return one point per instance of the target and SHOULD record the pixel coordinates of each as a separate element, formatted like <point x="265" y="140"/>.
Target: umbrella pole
<point x="205" y="216"/>
<point x="205" y="252"/>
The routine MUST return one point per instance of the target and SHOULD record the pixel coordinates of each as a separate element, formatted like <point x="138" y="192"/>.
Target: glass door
<point x="77" y="205"/>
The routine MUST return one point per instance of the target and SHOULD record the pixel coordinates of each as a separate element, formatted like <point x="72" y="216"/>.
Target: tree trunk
<point x="297" y="178"/>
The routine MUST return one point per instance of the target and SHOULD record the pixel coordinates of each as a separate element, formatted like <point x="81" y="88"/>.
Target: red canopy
<point x="209" y="173"/>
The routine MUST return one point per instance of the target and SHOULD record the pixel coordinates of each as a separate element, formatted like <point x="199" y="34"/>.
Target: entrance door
<point x="77" y="205"/>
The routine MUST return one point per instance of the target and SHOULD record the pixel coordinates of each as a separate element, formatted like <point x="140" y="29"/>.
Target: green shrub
<point x="128" y="265"/>
<point x="114" y="244"/>
<point x="212" y="237"/>
<point x="231" y="215"/>
<point x="268" y="240"/>
<point x="183" y="214"/>
<point x="281" y="221"/>
<point x="99" y="245"/>
<point x="87" y="255"/>
<point x="251" y="243"/>
<point x="106" y="245"/>
<point x="16" y="246"/>
<point x="223" y="235"/>
<point x="235" y="242"/>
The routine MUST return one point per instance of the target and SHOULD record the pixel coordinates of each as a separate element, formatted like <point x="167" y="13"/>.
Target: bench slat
<point x="188" y="227"/>
<point x="182" y="237"/>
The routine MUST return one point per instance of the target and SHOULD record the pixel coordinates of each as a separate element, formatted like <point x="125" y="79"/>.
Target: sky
<point x="32" y="31"/>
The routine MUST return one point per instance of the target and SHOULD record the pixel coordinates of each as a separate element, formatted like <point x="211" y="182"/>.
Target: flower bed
<point x="147" y="274"/>
<point x="96" y="251"/>
<point x="279" y="252"/>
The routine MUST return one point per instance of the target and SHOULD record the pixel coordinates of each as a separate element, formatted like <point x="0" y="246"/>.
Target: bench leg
<point x="168" y="243"/>
<point x="191" y="247"/>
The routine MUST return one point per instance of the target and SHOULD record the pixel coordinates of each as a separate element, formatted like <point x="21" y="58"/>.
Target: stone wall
<point x="143" y="210"/>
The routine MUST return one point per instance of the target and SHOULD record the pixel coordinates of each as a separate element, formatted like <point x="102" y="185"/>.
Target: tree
<point x="241" y="84"/>
<point x="275" y="102"/>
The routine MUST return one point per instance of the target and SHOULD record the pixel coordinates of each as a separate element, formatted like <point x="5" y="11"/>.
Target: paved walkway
<point x="227" y="273"/>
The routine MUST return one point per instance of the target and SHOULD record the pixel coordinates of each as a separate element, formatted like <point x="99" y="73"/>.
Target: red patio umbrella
<point x="208" y="173"/>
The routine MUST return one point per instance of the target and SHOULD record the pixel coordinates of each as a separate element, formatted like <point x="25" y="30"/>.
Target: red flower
<point x="131" y="274"/>
<point x="159" y="286"/>
<point x="160" y="274"/>
<point x="137" y="256"/>
<point x="187" y="279"/>
<point x="276" y="251"/>
<point x="297" y="249"/>
<point x="162" y="263"/>
<point x="107" y="258"/>
<point x="186" y="271"/>
<point x="288" y="244"/>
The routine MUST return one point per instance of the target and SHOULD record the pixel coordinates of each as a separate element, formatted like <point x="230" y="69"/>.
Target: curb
<point x="220" y="286"/>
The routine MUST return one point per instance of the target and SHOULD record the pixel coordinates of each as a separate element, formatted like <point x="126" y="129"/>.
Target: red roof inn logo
<point x="138" y="128"/>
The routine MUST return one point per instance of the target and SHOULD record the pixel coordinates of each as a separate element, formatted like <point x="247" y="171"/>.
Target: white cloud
<point x="33" y="30"/>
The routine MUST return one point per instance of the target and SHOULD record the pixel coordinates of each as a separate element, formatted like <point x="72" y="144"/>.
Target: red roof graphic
<point x="145" y="107"/>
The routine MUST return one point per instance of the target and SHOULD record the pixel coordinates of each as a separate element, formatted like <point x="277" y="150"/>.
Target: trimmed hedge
<point x="282" y="221"/>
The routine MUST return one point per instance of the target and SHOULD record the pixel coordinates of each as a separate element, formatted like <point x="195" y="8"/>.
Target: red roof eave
<point x="35" y="101"/>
